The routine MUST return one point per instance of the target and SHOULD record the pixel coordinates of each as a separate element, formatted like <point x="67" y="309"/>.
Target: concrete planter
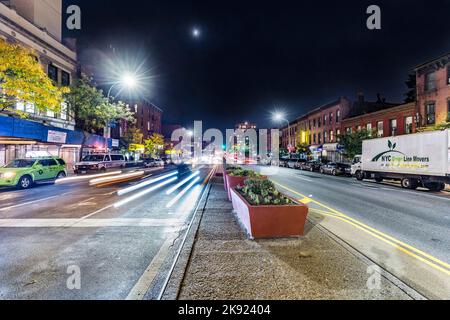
<point x="270" y="221"/>
<point x="233" y="182"/>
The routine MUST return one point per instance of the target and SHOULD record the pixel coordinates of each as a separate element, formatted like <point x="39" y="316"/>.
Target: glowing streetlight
<point x="128" y="81"/>
<point x="196" y="33"/>
<point x="280" y="117"/>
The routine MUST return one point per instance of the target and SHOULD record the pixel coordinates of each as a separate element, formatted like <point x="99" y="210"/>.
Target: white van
<point x="99" y="163"/>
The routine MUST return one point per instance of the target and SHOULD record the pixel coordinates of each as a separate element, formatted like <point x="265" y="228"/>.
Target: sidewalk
<point x="225" y="265"/>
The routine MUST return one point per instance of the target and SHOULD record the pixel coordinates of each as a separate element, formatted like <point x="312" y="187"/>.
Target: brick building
<point x="433" y="92"/>
<point x="388" y="120"/>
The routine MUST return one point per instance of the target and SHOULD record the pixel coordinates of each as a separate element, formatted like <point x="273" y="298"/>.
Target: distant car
<point x="312" y="166"/>
<point x="24" y="173"/>
<point x="336" y="169"/>
<point x="100" y="163"/>
<point x="153" y="162"/>
<point x="284" y="162"/>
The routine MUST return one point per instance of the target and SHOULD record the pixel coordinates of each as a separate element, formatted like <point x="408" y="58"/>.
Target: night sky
<point x="253" y="57"/>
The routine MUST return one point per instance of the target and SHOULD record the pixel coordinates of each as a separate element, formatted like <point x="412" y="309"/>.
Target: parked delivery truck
<point x="421" y="159"/>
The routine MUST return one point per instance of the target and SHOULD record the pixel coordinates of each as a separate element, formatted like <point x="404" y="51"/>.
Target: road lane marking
<point x="143" y="284"/>
<point x="27" y="203"/>
<point x="302" y="178"/>
<point x="89" y="223"/>
<point x="396" y="246"/>
<point x="410" y="250"/>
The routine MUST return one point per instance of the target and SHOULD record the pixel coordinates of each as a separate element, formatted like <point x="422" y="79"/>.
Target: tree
<point x="411" y="83"/>
<point x="22" y="78"/>
<point x="154" y="145"/>
<point x="352" y="142"/>
<point x="134" y="135"/>
<point x="303" y="149"/>
<point x="92" y="110"/>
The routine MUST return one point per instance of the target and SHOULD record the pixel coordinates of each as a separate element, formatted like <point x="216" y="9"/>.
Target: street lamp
<point x="280" y="117"/>
<point x="127" y="81"/>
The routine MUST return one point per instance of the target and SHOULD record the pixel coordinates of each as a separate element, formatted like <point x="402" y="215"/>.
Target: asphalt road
<point x="419" y="219"/>
<point x="70" y="241"/>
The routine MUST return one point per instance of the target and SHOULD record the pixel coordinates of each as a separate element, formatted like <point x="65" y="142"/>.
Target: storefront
<point x="332" y="152"/>
<point x="19" y="138"/>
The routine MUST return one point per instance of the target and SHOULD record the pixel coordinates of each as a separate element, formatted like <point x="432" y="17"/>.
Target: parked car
<point x="312" y="166"/>
<point x="24" y="173"/>
<point x="99" y="163"/>
<point x="295" y="163"/>
<point x="336" y="169"/>
<point x="284" y="162"/>
<point x="153" y="162"/>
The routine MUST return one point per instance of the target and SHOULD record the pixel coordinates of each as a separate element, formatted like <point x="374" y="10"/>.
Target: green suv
<point x="23" y="173"/>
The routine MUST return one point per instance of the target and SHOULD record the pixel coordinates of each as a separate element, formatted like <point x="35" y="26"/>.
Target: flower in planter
<point x="262" y="192"/>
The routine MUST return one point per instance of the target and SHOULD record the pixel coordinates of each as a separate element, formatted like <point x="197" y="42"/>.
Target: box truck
<point x="421" y="159"/>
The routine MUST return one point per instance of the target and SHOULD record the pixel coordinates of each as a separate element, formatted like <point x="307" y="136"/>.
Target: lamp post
<point x="127" y="81"/>
<point x="279" y="117"/>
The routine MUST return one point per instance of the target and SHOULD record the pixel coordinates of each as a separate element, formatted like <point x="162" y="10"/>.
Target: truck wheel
<point x="435" y="186"/>
<point x="409" y="184"/>
<point x="25" y="182"/>
<point x="334" y="173"/>
<point x="379" y="179"/>
<point x="61" y="175"/>
<point x="359" y="175"/>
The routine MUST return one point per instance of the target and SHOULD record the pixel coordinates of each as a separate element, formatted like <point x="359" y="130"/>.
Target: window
<point x="338" y="116"/>
<point x="380" y="128"/>
<point x="20" y="106"/>
<point x="331" y="136"/>
<point x="369" y="129"/>
<point x="358" y="128"/>
<point x="408" y="125"/>
<point x="349" y="130"/>
<point x="65" y="79"/>
<point x="117" y="157"/>
<point x="320" y="138"/>
<point x="331" y="118"/>
<point x="148" y="126"/>
<point x="325" y="137"/>
<point x="431" y="113"/>
<point x="430" y="81"/>
<point x="48" y="162"/>
<point x="448" y="74"/>
<point x="314" y="138"/>
<point x="314" y="123"/>
<point x="393" y="127"/>
<point x="310" y="125"/>
<point x="63" y="114"/>
<point x="448" y="110"/>
<point x="319" y="121"/>
<point x="107" y="158"/>
<point x="53" y="73"/>
<point x="50" y="114"/>
<point x="338" y="134"/>
<point x="325" y="120"/>
<point x="61" y="162"/>
<point x="29" y="107"/>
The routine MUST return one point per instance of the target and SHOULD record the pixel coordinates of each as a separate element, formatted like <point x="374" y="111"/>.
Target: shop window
<point x="50" y="114"/>
<point x="408" y="125"/>
<point x="431" y="113"/>
<point x="430" y="81"/>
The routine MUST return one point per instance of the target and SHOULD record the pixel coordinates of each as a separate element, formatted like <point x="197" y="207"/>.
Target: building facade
<point x="148" y="118"/>
<point x="37" y="25"/>
<point x="433" y="92"/>
<point x="392" y="121"/>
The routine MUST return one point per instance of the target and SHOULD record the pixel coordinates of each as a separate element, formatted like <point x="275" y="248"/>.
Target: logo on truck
<point x="390" y="156"/>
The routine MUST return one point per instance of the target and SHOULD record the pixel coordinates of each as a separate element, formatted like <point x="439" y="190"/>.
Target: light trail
<point x="182" y="193"/>
<point x="118" y="178"/>
<point x="144" y="192"/>
<point x="79" y="178"/>
<point x="182" y="183"/>
<point x="145" y="183"/>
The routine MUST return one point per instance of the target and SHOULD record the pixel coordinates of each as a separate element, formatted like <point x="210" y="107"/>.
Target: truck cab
<point x="356" y="165"/>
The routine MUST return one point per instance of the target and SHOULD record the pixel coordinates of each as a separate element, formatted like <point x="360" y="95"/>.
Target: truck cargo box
<point x="425" y="154"/>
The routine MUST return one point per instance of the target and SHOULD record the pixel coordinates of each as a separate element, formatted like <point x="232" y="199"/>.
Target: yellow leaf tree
<point x="22" y="78"/>
<point x="154" y="145"/>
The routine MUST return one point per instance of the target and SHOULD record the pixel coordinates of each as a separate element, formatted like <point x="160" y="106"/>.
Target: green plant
<point x="239" y="172"/>
<point x="263" y="192"/>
